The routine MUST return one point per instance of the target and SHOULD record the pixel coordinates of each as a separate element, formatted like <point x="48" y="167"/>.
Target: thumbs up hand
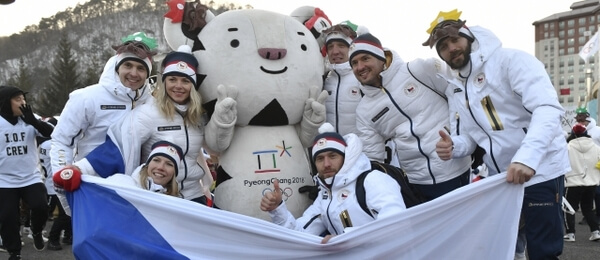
<point x="271" y="200"/>
<point x="444" y="146"/>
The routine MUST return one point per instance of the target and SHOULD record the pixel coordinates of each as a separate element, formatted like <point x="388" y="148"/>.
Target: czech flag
<point x="114" y="221"/>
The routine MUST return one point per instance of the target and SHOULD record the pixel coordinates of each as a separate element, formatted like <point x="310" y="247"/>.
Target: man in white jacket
<point x="405" y="102"/>
<point x="339" y="161"/>
<point x="90" y="111"/>
<point x="509" y="107"/>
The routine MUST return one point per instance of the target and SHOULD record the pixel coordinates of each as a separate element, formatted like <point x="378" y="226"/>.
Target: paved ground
<point x="582" y="249"/>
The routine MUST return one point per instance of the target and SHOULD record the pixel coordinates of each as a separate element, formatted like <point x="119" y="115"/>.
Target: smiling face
<point x="161" y="170"/>
<point x="337" y="52"/>
<point x="367" y="68"/>
<point x="178" y="88"/>
<point x="132" y="74"/>
<point x="455" y="51"/>
<point x="271" y="59"/>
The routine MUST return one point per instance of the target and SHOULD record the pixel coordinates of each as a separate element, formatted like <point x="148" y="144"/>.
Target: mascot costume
<point x="261" y="80"/>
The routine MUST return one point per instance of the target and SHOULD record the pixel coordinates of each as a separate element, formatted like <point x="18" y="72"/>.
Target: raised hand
<point x="314" y="107"/>
<point x="444" y="146"/>
<point x="271" y="200"/>
<point x="226" y="106"/>
<point x="28" y="115"/>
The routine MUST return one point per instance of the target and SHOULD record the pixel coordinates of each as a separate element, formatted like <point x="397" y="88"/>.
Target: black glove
<point x="45" y="129"/>
<point x="313" y="191"/>
<point x="28" y="116"/>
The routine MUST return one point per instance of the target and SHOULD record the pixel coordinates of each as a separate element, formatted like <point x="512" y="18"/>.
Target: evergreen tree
<point x="91" y="74"/>
<point x="23" y="78"/>
<point x="62" y="81"/>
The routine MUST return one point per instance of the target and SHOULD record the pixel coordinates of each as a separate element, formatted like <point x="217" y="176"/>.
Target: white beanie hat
<point x="169" y="150"/>
<point x="328" y="140"/>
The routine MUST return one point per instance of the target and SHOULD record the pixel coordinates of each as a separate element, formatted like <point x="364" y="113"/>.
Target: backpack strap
<point x="361" y="197"/>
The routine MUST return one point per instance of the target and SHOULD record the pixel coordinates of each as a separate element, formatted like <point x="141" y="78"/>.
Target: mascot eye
<point x="303" y="47"/>
<point x="234" y="43"/>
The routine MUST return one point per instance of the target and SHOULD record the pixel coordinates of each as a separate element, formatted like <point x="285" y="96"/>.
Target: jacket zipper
<point x="466" y="80"/>
<point x="412" y="133"/>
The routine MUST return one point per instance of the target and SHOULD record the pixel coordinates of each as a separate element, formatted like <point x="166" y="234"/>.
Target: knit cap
<point x="181" y="63"/>
<point x="343" y="32"/>
<point x="366" y="43"/>
<point x="136" y="47"/>
<point x="169" y="150"/>
<point x="328" y="140"/>
<point x="579" y="129"/>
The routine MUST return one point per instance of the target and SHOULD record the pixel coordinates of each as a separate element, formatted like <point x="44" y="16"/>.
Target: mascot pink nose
<point x="272" y="53"/>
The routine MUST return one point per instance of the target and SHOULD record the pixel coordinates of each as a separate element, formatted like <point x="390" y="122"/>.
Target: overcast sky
<point x="400" y="25"/>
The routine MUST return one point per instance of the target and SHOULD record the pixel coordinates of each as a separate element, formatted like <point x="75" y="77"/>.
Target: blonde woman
<point x="160" y="171"/>
<point x="158" y="174"/>
<point x="174" y="115"/>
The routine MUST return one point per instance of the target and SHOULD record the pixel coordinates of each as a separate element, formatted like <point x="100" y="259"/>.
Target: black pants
<point x="62" y="222"/>
<point x="35" y="197"/>
<point x="52" y="203"/>
<point x="583" y="195"/>
<point x="432" y="191"/>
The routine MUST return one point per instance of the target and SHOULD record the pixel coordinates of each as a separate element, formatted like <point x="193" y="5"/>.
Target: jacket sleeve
<point x="383" y="195"/>
<point x="74" y="121"/>
<point x="105" y="160"/>
<point x="463" y="146"/>
<point x="373" y="143"/>
<point x="310" y="222"/>
<point x="529" y="80"/>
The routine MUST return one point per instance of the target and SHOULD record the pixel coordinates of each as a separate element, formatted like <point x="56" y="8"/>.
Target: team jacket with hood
<point x="88" y="114"/>
<point x="508" y="106"/>
<point x="583" y="156"/>
<point x="144" y="126"/>
<point x="413" y="129"/>
<point x="337" y="208"/>
<point x="344" y="95"/>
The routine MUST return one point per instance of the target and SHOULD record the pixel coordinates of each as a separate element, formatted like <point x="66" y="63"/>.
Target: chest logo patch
<point x="411" y="90"/>
<point x="354" y="93"/>
<point x="343" y="195"/>
<point x="479" y="80"/>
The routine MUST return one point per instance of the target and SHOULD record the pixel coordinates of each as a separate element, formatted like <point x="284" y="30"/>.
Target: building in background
<point x="560" y="43"/>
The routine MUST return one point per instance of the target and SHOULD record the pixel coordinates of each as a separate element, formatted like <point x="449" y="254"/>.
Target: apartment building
<point x="559" y="38"/>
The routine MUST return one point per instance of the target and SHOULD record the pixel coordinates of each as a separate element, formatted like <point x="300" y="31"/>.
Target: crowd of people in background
<point x="427" y="116"/>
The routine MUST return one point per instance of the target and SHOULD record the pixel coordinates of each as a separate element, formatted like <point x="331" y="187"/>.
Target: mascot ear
<point x="315" y="20"/>
<point x="184" y="21"/>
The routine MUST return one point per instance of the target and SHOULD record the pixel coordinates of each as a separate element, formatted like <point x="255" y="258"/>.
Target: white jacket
<point x="583" y="155"/>
<point x="88" y="114"/>
<point x="382" y="195"/>
<point x="344" y="96"/>
<point x="594" y="131"/>
<point x="508" y="106"/>
<point x="145" y="126"/>
<point x="414" y="129"/>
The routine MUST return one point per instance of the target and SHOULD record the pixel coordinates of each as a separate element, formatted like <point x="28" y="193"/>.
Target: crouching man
<point x="339" y="161"/>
